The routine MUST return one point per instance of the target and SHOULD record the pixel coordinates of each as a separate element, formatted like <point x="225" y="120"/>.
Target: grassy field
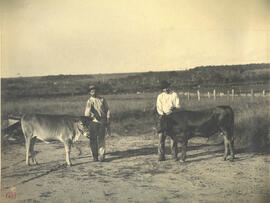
<point x="132" y="113"/>
<point x="131" y="157"/>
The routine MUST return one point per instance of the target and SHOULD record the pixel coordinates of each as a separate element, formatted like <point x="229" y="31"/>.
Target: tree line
<point x="202" y="78"/>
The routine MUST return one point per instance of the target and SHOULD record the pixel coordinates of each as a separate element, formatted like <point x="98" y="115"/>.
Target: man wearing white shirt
<point x="167" y="102"/>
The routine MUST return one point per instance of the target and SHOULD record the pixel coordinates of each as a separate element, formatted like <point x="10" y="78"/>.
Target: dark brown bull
<point x="182" y="125"/>
<point x="66" y="129"/>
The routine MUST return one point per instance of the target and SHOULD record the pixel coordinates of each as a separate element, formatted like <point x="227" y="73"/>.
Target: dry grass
<point x="132" y="113"/>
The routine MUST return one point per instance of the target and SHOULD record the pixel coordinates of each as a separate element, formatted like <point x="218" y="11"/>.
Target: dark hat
<point x="92" y="87"/>
<point x="164" y="84"/>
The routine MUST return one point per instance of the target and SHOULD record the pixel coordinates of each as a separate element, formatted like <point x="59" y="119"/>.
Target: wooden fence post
<point x="252" y="94"/>
<point x="263" y="93"/>
<point x="214" y="93"/>
<point x="208" y="93"/>
<point x="232" y="94"/>
<point x="199" y="96"/>
<point x="188" y="96"/>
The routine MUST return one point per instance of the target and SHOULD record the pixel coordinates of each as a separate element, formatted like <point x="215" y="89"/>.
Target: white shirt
<point x="167" y="101"/>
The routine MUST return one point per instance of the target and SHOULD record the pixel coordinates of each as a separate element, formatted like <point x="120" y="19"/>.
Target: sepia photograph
<point x="135" y="101"/>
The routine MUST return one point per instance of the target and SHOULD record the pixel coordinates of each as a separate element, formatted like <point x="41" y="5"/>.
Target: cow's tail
<point x="230" y="113"/>
<point x="14" y="123"/>
<point x="229" y="117"/>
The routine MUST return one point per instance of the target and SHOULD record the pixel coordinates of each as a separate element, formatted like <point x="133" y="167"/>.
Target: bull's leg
<point x="231" y="143"/>
<point x="93" y="146"/>
<point x="27" y="148"/>
<point x="226" y="144"/>
<point x="101" y="143"/>
<point x="161" y="146"/>
<point x="67" y="144"/>
<point x="33" y="153"/>
<point x="174" y="148"/>
<point x="184" y="150"/>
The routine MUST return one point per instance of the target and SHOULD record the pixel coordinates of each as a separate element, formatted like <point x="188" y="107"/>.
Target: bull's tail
<point x="228" y="111"/>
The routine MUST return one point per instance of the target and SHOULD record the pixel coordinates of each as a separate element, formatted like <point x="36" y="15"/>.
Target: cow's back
<point x="202" y="122"/>
<point x="47" y="127"/>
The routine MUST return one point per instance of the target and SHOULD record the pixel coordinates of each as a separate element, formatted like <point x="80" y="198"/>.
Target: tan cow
<point x="66" y="129"/>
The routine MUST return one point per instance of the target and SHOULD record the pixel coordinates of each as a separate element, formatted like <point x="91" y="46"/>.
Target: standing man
<point x="167" y="102"/>
<point x="98" y="109"/>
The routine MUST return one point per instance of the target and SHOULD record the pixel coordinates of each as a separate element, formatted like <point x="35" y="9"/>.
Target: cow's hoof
<point x="161" y="159"/>
<point x="231" y="158"/>
<point x="175" y="158"/>
<point x="102" y="159"/>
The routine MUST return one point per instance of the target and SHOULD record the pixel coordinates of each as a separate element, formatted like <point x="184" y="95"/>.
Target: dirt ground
<point x="131" y="173"/>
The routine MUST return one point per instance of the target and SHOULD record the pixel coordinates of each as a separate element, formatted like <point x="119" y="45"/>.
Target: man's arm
<point x="176" y="101"/>
<point x="107" y="110"/>
<point x="87" y="109"/>
<point x="108" y="115"/>
<point x="159" y="105"/>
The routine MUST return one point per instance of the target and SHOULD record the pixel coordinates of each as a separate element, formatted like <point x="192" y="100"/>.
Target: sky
<point x="51" y="37"/>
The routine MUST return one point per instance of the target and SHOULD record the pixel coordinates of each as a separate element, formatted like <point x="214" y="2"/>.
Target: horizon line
<point x="116" y="73"/>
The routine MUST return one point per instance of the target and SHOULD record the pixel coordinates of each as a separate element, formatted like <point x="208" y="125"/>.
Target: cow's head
<point x="82" y="127"/>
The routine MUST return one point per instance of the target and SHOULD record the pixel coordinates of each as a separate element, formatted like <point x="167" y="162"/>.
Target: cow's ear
<point x="83" y="120"/>
<point x="79" y="125"/>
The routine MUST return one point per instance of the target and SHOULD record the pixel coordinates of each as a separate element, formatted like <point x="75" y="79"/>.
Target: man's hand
<point x="173" y="109"/>
<point x="92" y="115"/>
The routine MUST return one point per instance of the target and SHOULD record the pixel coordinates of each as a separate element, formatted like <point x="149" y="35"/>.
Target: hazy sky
<point x="49" y="37"/>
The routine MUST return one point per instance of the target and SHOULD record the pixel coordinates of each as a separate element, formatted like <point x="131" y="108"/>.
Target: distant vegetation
<point x="240" y="77"/>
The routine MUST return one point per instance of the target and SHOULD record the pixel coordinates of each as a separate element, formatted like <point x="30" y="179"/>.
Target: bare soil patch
<point x="131" y="173"/>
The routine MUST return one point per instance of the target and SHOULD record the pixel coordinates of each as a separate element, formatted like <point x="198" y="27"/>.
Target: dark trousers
<point x="97" y="142"/>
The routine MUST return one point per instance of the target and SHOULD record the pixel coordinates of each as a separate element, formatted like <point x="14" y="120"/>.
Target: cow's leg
<point x="79" y="150"/>
<point x="33" y="153"/>
<point x="161" y="146"/>
<point x="67" y="144"/>
<point x="232" y="148"/>
<point x="231" y="142"/>
<point x="226" y="145"/>
<point x="174" y="149"/>
<point x="184" y="149"/>
<point x="93" y="145"/>
<point x="101" y="143"/>
<point x="27" y="148"/>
